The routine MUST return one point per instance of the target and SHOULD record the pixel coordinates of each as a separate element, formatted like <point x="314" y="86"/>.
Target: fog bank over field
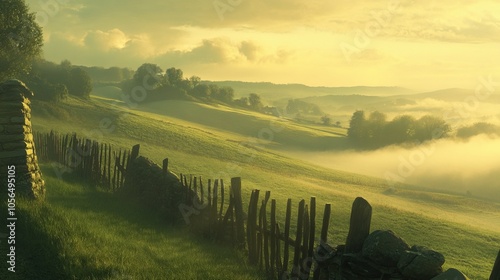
<point x="450" y="165"/>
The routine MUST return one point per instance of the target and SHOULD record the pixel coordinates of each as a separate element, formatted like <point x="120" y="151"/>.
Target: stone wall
<point x="17" y="147"/>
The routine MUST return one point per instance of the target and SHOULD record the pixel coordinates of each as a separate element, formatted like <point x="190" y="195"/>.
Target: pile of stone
<point x="159" y="189"/>
<point x="17" y="149"/>
<point x="384" y="256"/>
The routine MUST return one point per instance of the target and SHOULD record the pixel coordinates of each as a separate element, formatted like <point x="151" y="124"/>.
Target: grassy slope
<point x="465" y="230"/>
<point x="80" y="232"/>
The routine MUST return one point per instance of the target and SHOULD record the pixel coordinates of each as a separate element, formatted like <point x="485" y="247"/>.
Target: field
<point x="83" y="232"/>
<point x="220" y="142"/>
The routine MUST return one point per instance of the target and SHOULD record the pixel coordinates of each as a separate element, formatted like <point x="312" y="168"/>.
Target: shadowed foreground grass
<point x="80" y="232"/>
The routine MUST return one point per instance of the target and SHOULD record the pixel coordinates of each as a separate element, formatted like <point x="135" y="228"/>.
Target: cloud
<point x="249" y="50"/>
<point x="223" y="51"/>
<point x="97" y="47"/>
<point x="104" y="48"/>
<point x="105" y="41"/>
<point x="274" y="33"/>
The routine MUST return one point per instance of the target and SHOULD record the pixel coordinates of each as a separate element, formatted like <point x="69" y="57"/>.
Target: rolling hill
<point x="221" y="142"/>
<point x="272" y="92"/>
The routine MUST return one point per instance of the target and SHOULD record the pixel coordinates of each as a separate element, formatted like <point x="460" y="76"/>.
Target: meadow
<point x="222" y="142"/>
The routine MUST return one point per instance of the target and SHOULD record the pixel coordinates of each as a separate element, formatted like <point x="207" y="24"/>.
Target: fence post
<point x="286" y="251"/>
<point x="272" y="241"/>
<point x="359" y="228"/>
<point x="298" y="240"/>
<point x="238" y="209"/>
<point x="495" y="273"/>
<point x="251" y="225"/>
<point x="165" y="165"/>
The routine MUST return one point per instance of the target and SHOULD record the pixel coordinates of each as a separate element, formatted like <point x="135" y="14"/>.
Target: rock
<point x="421" y="263"/>
<point x="383" y="247"/>
<point x="451" y="274"/>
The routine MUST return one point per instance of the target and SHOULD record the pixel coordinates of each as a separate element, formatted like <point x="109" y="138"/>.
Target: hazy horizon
<point x="424" y="45"/>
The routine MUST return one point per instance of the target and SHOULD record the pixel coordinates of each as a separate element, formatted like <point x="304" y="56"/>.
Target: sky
<point x="422" y="45"/>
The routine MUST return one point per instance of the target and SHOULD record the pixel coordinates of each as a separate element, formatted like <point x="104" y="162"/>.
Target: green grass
<point x="80" y="232"/>
<point x="465" y="230"/>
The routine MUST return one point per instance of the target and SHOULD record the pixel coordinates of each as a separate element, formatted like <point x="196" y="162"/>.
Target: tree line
<point x="171" y="84"/>
<point x="54" y="82"/>
<point x="375" y="131"/>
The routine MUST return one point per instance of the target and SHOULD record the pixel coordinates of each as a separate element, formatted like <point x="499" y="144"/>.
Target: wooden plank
<point x="312" y="226"/>
<point x="109" y="167"/>
<point x="195" y="187"/>
<point x="238" y="210"/>
<point x="211" y="220"/>
<point x="272" y="236"/>
<point x="286" y="252"/>
<point x="202" y="191"/>
<point x="221" y="197"/>
<point x="124" y="163"/>
<point x="115" y="172"/>
<point x="190" y="182"/>
<point x="66" y="148"/>
<point x="279" y="264"/>
<point x="298" y="238"/>
<point x="186" y="189"/>
<point x="251" y="225"/>
<point x="225" y="220"/>
<point x="263" y="214"/>
<point x="215" y="198"/>
<point x="209" y="199"/>
<point x="165" y="165"/>
<point x="495" y="273"/>
<point x="259" y="249"/>
<point x="305" y="270"/>
<point x="326" y="222"/>
<point x="359" y="228"/>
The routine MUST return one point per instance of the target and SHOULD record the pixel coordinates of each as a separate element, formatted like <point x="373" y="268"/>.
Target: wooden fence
<point x="99" y="163"/>
<point x="276" y="249"/>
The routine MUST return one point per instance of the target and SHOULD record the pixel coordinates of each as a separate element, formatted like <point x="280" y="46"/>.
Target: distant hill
<point x="273" y="92"/>
<point x="457" y="95"/>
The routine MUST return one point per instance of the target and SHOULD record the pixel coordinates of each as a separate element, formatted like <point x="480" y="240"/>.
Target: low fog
<point x="458" y="166"/>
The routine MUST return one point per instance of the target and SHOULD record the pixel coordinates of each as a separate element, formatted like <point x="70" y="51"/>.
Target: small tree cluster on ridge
<point x="171" y="84"/>
<point x="376" y="131"/>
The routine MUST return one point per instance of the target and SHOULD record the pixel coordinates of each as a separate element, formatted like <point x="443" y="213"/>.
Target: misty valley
<point x="249" y="140"/>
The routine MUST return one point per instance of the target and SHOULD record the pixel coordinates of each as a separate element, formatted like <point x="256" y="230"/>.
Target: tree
<point x="201" y="91"/>
<point x="357" y="126"/>
<point x="299" y="106"/>
<point x="242" y="102"/>
<point x="430" y="127"/>
<point x="174" y="76"/>
<point x="375" y="129"/>
<point x="195" y="80"/>
<point x="214" y="91"/>
<point x="80" y="83"/>
<point x="254" y="102"/>
<point x="149" y="76"/>
<point x="21" y="38"/>
<point x="401" y="129"/>
<point x="478" y="128"/>
<point x="326" y="120"/>
<point x="226" y="94"/>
